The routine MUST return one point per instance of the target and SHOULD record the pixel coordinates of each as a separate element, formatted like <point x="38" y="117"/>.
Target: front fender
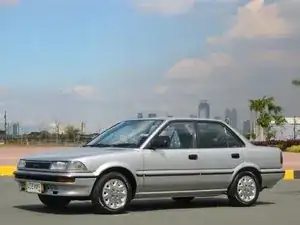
<point x="109" y="165"/>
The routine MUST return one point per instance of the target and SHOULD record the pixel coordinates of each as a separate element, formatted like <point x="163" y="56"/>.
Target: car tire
<point x="54" y="202"/>
<point x="183" y="199"/>
<point x="244" y="190"/>
<point x="104" y="201"/>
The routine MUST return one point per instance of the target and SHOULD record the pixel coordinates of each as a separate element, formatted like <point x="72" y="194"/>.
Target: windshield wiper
<point x="133" y="145"/>
<point x="97" y="145"/>
<point x="124" y="145"/>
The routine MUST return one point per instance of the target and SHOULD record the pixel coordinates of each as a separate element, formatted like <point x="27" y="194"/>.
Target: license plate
<point x="34" y="187"/>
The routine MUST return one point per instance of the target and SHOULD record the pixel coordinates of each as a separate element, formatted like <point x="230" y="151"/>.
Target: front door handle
<point x="235" y="155"/>
<point x="193" y="157"/>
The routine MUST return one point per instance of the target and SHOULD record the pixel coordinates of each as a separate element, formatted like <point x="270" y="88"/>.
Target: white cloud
<point x="257" y="55"/>
<point x="168" y="7"/>
<point x="8" y="2"/>
<point x="86" y="91"/>
<point x="173" y="7"/>
<point x="160" y="89"/>
<point x="83" y="91"/>
<point x="256" y="20"/>
<point x="193" y="68"/>
<point x="98" y="109"/>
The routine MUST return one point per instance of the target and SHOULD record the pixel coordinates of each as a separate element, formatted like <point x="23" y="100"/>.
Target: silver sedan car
<point x="178" y="158"/>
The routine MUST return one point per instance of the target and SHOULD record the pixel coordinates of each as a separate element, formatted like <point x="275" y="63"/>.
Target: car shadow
<point x="77" y="208"/>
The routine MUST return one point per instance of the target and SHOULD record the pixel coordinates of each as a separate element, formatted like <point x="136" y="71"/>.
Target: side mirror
<point x="160" y="142"/>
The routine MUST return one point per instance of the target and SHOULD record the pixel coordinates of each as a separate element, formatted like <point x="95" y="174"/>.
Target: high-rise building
<point x="15" y="129"/>
<point x="246" y="127"/>
<point x="234" y="119"/>
<point x="204" y="106"/>
<point x="231" y="117"/>
<point x="227" y="117"/>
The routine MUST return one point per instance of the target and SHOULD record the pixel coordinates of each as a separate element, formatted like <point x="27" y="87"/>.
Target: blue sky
<point x="89" y="41"/>
<point x="69" y="60"/>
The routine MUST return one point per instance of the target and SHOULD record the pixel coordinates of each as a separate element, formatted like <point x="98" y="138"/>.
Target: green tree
<point x="71" y="132"/>
<point x="43" y="135"/>
<point x="255" y="106"/>
<point x="267" y="114"/>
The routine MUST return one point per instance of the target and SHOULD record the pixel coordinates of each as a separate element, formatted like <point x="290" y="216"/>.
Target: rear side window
<point x="216" y="135"/>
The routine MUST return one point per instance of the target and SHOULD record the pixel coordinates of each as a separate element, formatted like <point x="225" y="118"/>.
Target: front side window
<point x="181" y="135"/>
<point x="130" y="134"/>
<point x="215" y="135"/>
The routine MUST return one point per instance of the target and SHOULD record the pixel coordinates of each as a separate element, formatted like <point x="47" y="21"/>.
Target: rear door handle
<point x="235" y="155"/>
<point x="193" y="157"/>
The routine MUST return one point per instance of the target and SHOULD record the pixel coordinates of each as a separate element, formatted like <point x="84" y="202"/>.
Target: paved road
<point x="278" y="206"/>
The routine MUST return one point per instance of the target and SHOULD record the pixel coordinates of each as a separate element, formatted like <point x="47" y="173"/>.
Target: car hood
<point x="75" y="153"/>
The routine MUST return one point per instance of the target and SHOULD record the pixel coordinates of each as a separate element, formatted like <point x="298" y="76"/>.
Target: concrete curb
<point x="289" y="174"/>
<point x="7" y="170"/>
<point x="292" y="175"/>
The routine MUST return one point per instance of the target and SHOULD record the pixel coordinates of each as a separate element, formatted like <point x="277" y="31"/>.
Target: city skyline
<point x="202" y="110"/>
<point x="104" y="61"/>
<point x="230" y="117"/>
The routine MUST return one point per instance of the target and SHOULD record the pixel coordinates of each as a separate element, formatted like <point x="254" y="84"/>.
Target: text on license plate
<point x="34" y="187"/>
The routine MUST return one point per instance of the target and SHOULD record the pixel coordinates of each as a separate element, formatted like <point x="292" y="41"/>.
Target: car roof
<point x="178" y="118"/>
<point x="167" y="119"/>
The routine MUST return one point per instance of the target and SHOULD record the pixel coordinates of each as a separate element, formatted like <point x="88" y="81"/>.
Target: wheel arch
<point x="122" y="170"/>
<point x="247" y="168"/>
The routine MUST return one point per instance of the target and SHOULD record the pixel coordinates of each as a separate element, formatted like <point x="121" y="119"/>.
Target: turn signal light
<point x="66" y="179"/>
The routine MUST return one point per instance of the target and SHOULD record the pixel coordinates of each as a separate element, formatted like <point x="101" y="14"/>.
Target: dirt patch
<point x="9" y="155"/>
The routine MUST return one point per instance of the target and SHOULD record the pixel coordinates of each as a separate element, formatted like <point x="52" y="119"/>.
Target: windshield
<point x="129" y="134"/>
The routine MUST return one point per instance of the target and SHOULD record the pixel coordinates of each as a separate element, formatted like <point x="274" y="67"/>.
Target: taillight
<point x="281" y="158"/>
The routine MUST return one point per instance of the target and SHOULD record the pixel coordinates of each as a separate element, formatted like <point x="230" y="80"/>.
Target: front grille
<point x="38" y="165"/>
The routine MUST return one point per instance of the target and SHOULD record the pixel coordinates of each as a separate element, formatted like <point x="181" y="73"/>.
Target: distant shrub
<point x="282" y="144"/>
<point x="294" y="148"/>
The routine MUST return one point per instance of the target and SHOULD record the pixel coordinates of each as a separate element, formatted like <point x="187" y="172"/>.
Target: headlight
<point x="73" y="166"/>
<point x="61" y="166"/>
<point x="77" y="166"/>
<point x="21" y="164"/>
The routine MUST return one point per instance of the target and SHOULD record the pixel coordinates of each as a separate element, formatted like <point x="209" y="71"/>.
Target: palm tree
<point x="296" y="82"/>
<point x="253" y="106"/>
<point x="257" y="106"/>
<point x="266" y="112"/>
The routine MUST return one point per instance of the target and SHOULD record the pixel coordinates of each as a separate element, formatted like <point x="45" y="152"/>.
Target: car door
<point x="220" y="152"/>
<point x="174" y="168"/>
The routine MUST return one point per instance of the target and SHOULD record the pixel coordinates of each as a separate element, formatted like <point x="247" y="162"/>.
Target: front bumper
<point x="74" y="185"/>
